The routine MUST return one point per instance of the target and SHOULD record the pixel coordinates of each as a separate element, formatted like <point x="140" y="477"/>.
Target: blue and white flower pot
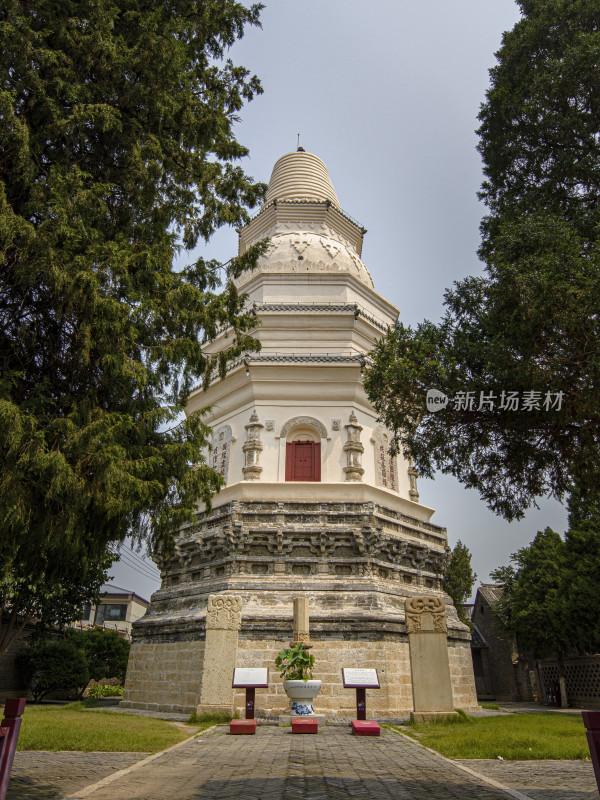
<point x="302" y="694"/>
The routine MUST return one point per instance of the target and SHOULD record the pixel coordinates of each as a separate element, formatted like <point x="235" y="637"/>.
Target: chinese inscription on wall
<point x="221" y="450"/>
<point x="386" y="469"/>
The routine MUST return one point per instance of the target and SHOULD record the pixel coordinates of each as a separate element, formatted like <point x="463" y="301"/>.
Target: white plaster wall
<point x="333" y="457"/>
<point x="319" y="288"/>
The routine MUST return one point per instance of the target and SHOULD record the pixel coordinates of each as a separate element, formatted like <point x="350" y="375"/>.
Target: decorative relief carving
<point x="354" y="450"/>
<point x="224" y="612"/>
<point x="281" y="535"/>
<point x="300" y="245"/>
<point x="306" y="253"/>
<point x="425" y="613"/>
<point x="336" y="424"/>
<point x="386" y="469"/>
<point x="269" y="424"/>
<point x="221" y="450"/>
<point x="412" y="479"/>
<point x="331" y="248"/>
<point x="252" y="448"/>
<point x="295" y="421"/>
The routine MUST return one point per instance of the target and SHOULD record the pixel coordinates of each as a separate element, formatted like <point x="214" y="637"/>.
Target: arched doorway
<point x="302" y="456"/>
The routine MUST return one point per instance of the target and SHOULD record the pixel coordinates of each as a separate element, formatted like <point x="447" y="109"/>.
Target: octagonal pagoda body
<point x="314" y="505"/>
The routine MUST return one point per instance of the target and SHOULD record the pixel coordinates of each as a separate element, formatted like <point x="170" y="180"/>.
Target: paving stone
<point x="541" y="780"/>
<point x="37" y="775"/>
<point x="275" y="765"/>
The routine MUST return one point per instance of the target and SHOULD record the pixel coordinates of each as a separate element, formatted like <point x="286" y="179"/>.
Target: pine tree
<point x="531" y="325"/>
<point x="534" y="605"/>
<point x="459" y="578"/>
<point x="116" y="149"/>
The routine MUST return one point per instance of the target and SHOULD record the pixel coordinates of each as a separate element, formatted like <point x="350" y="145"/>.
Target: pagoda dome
<point x="300" y="176"/>
<point x="308" y="230"/>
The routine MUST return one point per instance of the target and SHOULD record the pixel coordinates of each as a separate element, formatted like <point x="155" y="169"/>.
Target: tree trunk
<point x="11" y="632"/>
<point x="562" y="682"/>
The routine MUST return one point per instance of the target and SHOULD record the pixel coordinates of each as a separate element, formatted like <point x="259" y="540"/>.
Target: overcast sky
<point x="387" y="94"/>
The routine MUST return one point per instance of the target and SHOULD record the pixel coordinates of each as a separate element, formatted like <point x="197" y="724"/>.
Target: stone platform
<point x="357" y="563"/>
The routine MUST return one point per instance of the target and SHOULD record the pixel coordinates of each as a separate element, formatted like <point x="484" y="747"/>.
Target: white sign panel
<point x="221" y="450"/>
<point x="386" y="471"/>
<point x="250" y="676"/>
<point x="360" y="677"/>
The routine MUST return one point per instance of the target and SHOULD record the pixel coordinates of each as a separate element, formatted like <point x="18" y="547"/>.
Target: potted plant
<point x="295" y="665"/>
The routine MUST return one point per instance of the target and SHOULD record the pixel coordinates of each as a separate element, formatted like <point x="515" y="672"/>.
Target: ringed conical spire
<point x="301" y="176"/>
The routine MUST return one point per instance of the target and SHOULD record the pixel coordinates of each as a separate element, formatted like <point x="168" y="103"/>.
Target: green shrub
<point x="105" y="690"/>
<point x="53" y="666"/>
<point x="107" y="652"/>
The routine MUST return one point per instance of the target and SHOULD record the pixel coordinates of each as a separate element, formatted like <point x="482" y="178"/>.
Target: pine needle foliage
<point x="459" y="578"/>
<point x="531" y="323"/>
<point x="116" y="149"/>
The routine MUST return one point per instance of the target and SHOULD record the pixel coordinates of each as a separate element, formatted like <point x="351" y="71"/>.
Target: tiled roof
<point x="110" y="588"/>
<point x="492" y="592"/>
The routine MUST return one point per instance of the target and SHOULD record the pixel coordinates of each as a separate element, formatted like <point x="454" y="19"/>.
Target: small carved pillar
<point x="223" y="621"/>
<point x="412" y="477"/>
<point x="354" y="450"/>
<point x="430" y="670"/>
<point x="301" y="621"/>
<point x="252" y="447"/>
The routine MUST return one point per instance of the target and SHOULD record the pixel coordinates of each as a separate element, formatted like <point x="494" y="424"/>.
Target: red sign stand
<point x="361" y="680"/>
<point x="591" y="720"/>
<point x="250" y="679"/>
<point x="9" y="733"/>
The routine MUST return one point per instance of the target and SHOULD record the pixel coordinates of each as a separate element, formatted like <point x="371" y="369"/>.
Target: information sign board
<point x="250" y="677"/>
<point x="360" y="678"/>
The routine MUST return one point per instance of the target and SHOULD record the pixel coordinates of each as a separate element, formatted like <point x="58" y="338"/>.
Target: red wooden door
<point x="303" y="461"/>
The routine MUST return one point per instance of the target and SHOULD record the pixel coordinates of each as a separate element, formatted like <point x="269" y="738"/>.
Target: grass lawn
<point x="515" y="737"/>
<point x="73" y="727"/>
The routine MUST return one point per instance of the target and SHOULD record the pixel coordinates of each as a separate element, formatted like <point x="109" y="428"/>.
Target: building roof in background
<point x="111" y="589"/>
<point x="492" y="592"/>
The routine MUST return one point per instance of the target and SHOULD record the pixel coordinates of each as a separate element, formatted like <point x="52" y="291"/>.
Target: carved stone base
<point x="358" y="562"/>
<point x="354" y="473"/>
<point x="252" y="473"/>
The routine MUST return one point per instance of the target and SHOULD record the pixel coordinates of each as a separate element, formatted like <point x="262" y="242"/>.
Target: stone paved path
<point x="542" y="780"/>
<point x="37" y="775"/>
<point x="277" y="765"/>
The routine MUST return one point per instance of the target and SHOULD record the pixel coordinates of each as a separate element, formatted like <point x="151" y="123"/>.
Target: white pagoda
<point x="314" y="505"/>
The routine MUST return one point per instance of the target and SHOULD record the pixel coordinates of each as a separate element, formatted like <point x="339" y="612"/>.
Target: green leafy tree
<point x="533" y="605"/>
<point x="582" y="573"/>
<point x="581" y="582"/>
<point x="53" y="666"/>
<point x="106" y="652"/>
<point x="116" y="148"/>
<point x="531" y="323"/>
<point x="52" y="599"/>
<point x="459" y="578"/>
